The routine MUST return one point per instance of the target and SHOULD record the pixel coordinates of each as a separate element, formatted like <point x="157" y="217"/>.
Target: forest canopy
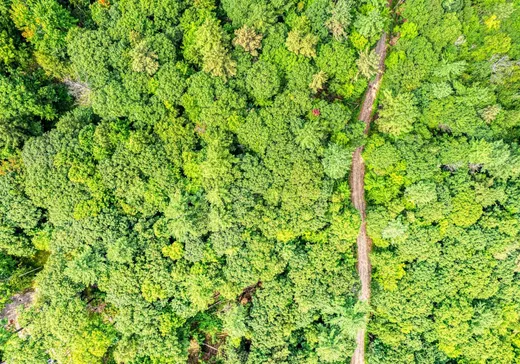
<point x="174" y="181"/>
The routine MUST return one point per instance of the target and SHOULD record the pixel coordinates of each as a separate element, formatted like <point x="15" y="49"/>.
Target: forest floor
<point x="357" y="186"/>
<point x="10" y="311"/>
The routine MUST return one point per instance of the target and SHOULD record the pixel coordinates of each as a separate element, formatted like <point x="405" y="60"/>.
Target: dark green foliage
<point x="20" y="219"/>
<point x="44" y="23"/>
<point x="29" y="100"/>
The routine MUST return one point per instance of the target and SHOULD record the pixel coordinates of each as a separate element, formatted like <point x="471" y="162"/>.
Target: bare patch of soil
<point x="248" y="292"/>
<point x="10" y="311"/>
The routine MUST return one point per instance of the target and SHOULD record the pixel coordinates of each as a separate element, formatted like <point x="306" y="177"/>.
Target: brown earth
<point x="10" y="311"/>
<point x="357" y="187"/>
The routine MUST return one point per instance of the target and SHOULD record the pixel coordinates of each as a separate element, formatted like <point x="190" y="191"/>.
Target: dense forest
<point x="443" y="187"/>
<point x="174" y="181"/>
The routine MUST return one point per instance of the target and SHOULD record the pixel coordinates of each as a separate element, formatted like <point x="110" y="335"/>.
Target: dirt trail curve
<point x="357" y="186"/>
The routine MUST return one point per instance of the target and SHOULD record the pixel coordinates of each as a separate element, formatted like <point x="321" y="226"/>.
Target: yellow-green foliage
<point x="441" y="173"/>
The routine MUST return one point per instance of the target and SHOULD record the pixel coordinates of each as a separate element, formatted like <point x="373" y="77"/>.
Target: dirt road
<point x="357" y="187"/>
